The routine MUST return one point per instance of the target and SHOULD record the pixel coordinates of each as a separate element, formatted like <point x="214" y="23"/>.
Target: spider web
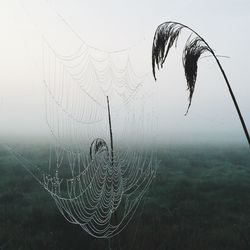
<point x="97" y="175"/>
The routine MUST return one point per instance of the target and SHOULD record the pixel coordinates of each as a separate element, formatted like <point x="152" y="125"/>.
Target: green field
<point x="199" y="200"/>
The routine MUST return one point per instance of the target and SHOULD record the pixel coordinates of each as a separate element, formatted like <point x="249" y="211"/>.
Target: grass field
<point x="199" y="200"/>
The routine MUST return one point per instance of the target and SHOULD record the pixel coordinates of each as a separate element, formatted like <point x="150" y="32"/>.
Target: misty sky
<point x="114" y="25"/>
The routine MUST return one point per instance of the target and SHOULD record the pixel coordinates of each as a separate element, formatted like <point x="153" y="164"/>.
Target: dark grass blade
<point x="98" y="145"/>
<point x="193" y="50"/>
<point x="165" y="36"/>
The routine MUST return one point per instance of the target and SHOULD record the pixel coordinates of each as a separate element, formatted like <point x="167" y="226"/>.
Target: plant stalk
<point x="112" y="165"/>
<point x="110" y="134"/>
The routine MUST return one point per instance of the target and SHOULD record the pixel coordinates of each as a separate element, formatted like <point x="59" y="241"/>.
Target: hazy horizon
<point x="114" y="25"/>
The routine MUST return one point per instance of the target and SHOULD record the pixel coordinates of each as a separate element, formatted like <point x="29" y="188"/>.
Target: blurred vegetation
<point x="199" y="200"/>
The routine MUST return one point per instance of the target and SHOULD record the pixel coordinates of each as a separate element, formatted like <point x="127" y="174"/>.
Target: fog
<point x="115" y="25"/>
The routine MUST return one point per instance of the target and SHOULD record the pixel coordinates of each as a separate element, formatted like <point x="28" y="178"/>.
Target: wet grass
<point x="199" y="200"/>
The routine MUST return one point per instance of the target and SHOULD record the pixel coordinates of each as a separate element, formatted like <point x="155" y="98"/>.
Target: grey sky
<point x="116" y="24"/>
